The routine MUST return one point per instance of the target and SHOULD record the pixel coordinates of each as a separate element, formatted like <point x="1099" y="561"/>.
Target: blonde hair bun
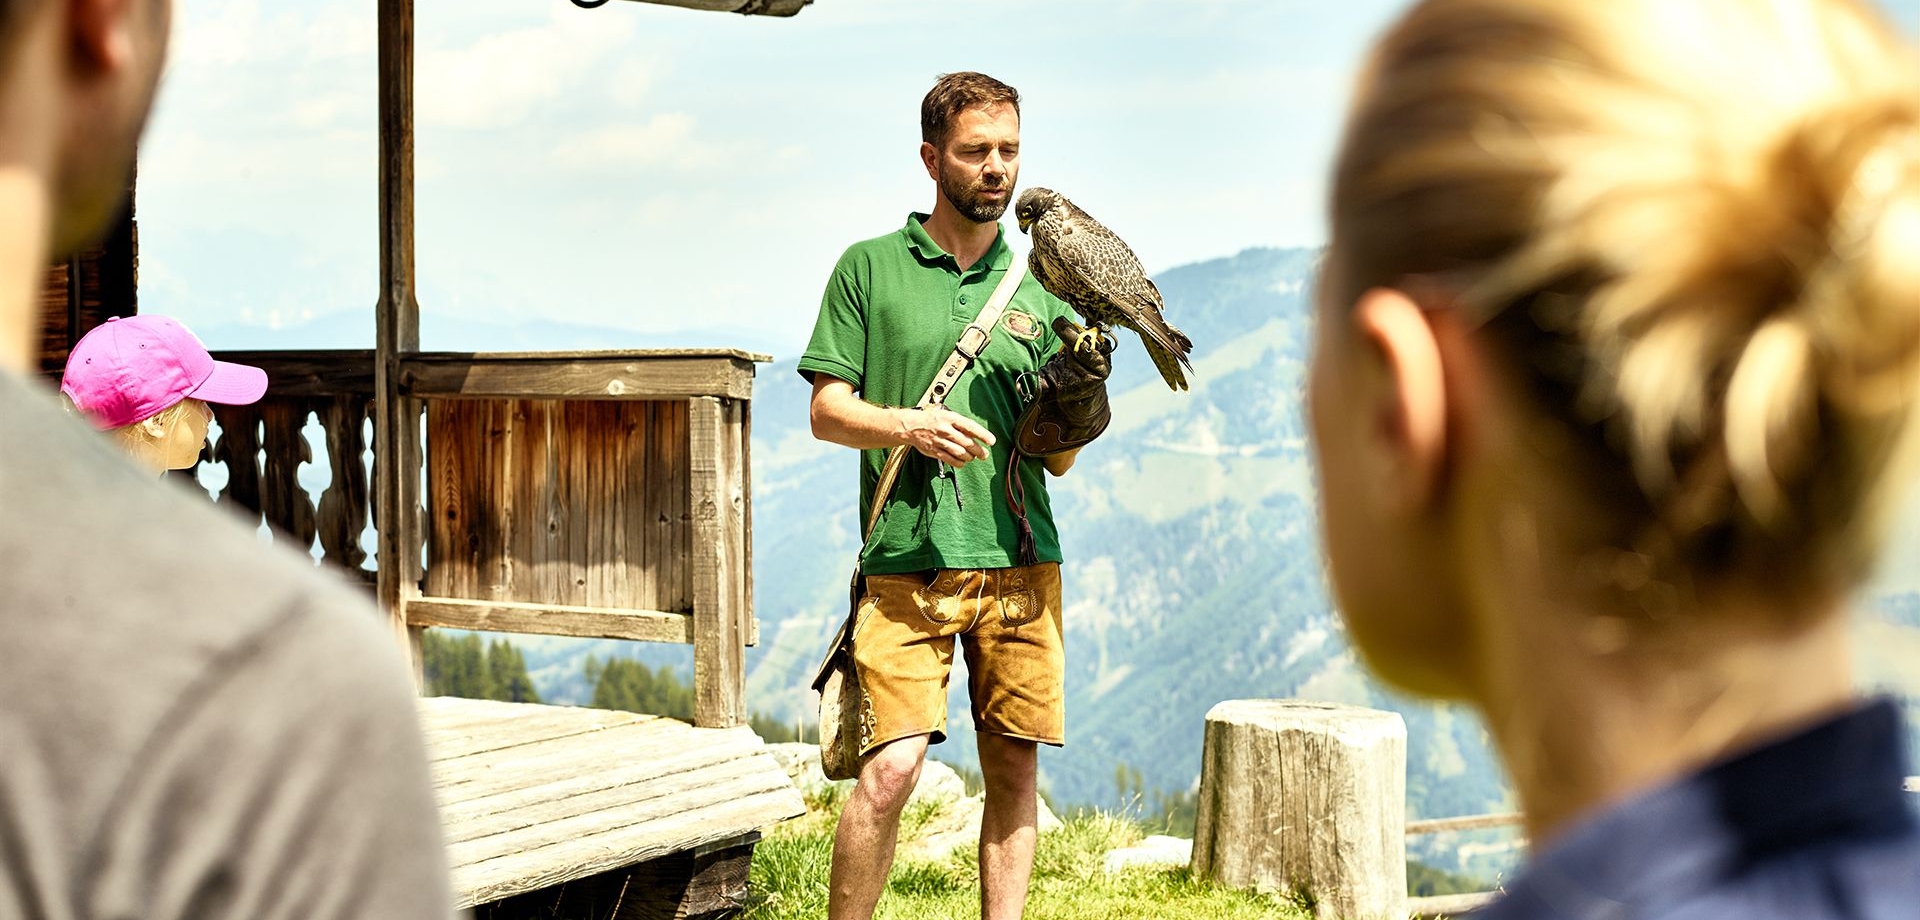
<point x="1722" y="200"/>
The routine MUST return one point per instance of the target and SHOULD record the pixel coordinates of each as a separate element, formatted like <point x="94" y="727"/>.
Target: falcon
<point x="1085" y="264"/>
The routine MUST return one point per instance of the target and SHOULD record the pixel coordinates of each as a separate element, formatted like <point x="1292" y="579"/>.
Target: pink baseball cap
<point x="129" y="369"/>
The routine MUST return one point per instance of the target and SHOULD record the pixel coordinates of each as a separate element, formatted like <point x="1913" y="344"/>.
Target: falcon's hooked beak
<point x="1025" y="221"/>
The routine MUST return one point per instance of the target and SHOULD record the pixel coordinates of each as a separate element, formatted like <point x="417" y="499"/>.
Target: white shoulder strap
<point x="973" y="341"/>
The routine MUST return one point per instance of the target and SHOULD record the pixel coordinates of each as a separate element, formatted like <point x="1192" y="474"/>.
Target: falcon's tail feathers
<point x="1169" y="363"/>
<point x="1168" y="345"/>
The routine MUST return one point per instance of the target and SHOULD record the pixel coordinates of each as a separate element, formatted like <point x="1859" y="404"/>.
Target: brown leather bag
<point x="838" y="683"/>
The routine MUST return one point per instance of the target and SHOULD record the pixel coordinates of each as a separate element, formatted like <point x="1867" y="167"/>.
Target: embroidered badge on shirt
<point x="1022" y="325"/>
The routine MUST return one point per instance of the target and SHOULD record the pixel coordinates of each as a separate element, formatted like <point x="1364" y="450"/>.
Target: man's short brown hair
<point x="954" y="93"/>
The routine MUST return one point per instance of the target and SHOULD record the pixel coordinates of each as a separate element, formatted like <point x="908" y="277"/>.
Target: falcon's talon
<point x="1088" y="346"/>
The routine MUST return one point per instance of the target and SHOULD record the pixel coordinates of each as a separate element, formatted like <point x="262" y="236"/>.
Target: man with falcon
<point x="964" y="545"/>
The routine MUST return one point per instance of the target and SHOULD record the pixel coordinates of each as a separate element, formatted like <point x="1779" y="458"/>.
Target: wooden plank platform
<point x="535" y="796"/>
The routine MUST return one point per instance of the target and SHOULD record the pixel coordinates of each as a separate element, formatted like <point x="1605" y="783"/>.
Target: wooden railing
<point x="1462" y="823"/>
<point x="588" y="494"/>
<point x="595" y="494"/>
<point x="1449" y="905"/>
<point x="263" y="446"/>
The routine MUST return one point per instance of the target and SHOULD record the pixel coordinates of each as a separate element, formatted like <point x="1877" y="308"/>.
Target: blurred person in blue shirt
<point x="1616" y="382"/>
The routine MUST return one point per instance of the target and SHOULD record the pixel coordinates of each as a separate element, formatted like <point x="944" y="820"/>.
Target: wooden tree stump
<point x="1309" y="799"/>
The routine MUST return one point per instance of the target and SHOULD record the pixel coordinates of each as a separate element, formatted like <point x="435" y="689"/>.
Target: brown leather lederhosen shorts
<point x="1008" y="621"/>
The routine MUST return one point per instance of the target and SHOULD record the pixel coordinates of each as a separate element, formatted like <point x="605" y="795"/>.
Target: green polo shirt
<point x="891" y="314"/>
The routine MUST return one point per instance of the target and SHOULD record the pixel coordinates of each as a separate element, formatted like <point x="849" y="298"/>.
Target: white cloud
<point x="343" y="33"/>
<point x="662" y="139"/>
<point x="224" y="37"/>
<point x="215" y="38"/>
<point x="498" y="80"/>
<point x="632" y="78"/>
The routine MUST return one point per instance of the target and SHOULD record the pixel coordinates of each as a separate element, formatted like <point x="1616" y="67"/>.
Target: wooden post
<point x="80" y="290"/>
<point x="719" y="582"/>
<point x="1306" y="798"/>
<point x="749" y="623"/>
<point x="397" y="454"/>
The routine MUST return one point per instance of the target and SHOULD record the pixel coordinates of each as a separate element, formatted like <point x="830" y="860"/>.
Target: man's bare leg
<point x="1007" y="831"/>
<point x="869" y="827"/>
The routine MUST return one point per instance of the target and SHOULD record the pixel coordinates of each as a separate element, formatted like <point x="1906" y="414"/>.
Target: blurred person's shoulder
<point x="1813" y="826"/>
<point x="113" y="579"/>
<point x="161" y="659"/>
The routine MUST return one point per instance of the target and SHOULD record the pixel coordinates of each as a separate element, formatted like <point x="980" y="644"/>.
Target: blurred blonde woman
<point x="1616" y="382"/>
<point x="148" y="381"/>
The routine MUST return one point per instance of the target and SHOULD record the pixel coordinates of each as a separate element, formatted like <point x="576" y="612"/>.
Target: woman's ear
<point x="152" y="429"/>
<point x="1410" y="410"/>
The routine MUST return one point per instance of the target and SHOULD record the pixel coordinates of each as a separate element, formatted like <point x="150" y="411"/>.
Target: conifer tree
<point x="508" y="670"/>
<point x="466" y="667"/>
<point x="622" y="683"/>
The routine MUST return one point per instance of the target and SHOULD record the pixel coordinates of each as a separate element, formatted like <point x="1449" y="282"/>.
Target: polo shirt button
<point x="963" y="300"/>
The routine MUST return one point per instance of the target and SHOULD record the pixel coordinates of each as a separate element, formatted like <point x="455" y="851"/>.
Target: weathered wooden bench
<point x="546" y="806"/>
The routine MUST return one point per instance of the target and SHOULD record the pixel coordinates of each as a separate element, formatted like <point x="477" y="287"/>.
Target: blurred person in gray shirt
<point x="191" y="725"/>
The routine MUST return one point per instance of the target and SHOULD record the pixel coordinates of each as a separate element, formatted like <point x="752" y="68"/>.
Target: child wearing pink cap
<point x="148" y="380"/>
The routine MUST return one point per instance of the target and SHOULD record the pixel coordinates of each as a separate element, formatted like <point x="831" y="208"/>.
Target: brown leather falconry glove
<point x="1070" y="407"/>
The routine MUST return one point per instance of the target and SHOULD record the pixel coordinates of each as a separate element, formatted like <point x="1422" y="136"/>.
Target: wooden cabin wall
<point x="572" y="502"/>
<point x="84" y="288"/>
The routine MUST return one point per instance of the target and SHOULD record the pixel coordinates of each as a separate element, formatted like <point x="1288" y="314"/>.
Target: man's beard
<point x="968" y="200"/>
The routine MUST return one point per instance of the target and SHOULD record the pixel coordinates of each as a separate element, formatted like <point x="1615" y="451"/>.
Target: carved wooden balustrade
<point x="264" y="445"/>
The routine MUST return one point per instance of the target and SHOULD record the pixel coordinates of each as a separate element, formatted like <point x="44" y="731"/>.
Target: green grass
<point x="1069" y="883"/>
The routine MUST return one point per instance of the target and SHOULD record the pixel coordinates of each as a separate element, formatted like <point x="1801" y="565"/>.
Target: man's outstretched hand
<point x="944" y="435"/>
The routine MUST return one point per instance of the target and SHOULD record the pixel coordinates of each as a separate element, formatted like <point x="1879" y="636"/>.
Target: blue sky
<point x="655" y="169"/>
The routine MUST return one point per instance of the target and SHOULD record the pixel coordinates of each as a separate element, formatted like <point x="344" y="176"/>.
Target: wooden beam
<point x="707" y="882"/>
<point x="1448" y="905"/>
<point x="550" y="619"/>
<point x="715" y="487"/>
<point x="397" y="454"/>
<point x="318" y="373"/>
<point x="1464" y="823"/>
<point x="744" y="7"/>
<point x="751" y="623"/>
<point x="740" y="354"/>
<point x="631" y="375"/>
<point x="592" y="845"/>
<point x="80" y="290"/>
